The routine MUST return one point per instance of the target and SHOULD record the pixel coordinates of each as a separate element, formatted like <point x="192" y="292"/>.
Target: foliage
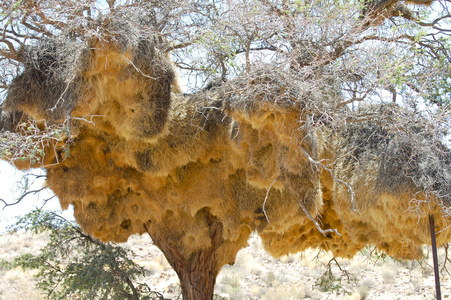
<point x="28" y="143"/>
<point x="373" y="255"/>
<point x="330" y="282"/>
<point x="74" y="265"/>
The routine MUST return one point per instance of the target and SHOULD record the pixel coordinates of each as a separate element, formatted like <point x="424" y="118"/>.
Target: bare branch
<point x="319" y="164"/>
<point x="323" y="231"/>
<point x="18" y="200"/>
<point x="266" y="197"/>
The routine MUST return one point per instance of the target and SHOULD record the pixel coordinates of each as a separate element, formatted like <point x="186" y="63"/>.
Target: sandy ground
<point x="256" y="275"/>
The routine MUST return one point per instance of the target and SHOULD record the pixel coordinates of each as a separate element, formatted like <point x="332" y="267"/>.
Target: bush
<point x="74" y="265"/>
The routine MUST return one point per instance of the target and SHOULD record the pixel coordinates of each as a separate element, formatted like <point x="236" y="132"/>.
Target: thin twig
<point x="138" y="69"/>
<point x="18" y="200"/>
<point x="317" y="163"/>
<point x="323" y="231"/>
<point x="266" y="198"/>
<point x="84" y="118"/>
<point x="62" y="94"/>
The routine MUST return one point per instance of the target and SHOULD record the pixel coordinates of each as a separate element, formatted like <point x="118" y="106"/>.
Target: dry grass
<point x="15" y="244"/>
<point x="16" y="284"/>
<point x="255" y="275"/>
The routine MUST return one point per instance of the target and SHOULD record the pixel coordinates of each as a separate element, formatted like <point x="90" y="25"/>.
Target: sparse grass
<point x="151" y="268"/>
<point x="270" y="278"/>
<point x="15" y="283"/>
<point x="19" y="285"/>
<point x="4" y="267"/>
<point x="255" y="274"/>
<point x="285" y="291"/>
<point x="231" y="285"/>
<point x="427" y="271"/>
<point x="415" y="284"/>
<point x="353" y="296"/>
<point x="388" y="273"/>
<point x="15" y="244"/>
<point x="247" y="263"/>
<point x="363" y="290"/>
<point x="19" y="293"/>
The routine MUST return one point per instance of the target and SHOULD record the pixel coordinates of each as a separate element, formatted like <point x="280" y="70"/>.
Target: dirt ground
<point x="256" y="275"/>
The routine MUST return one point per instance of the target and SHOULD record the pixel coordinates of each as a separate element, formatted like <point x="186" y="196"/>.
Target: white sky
<point x="10" y="189"/>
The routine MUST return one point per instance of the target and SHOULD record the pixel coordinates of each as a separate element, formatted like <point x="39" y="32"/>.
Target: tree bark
<point x="197" y="274"/>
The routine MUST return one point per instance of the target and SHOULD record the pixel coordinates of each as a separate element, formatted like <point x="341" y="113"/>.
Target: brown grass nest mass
<point x="207" y="169"/>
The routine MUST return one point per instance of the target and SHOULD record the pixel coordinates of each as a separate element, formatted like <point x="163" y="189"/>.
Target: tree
<point x="317" y="124"/>
<point x="75" y="265"/>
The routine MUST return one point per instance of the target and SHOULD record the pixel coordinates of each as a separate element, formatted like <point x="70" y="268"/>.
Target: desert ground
<point x="256" y="275"/>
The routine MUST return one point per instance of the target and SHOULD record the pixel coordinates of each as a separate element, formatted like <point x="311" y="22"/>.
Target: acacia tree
<point x="317" y="124"/>
<point x="75" y="265"/>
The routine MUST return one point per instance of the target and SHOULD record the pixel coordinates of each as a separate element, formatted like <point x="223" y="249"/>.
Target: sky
<point x="11" y="185"/>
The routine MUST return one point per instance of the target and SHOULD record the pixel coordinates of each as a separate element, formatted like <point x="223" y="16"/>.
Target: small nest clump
<point x="49" y="85"/>
<point x="406" y="158"/>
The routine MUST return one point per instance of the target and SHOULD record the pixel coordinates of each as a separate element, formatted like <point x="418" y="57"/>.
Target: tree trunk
<point x="198" y="273"/>
<point x="198" y="276"/>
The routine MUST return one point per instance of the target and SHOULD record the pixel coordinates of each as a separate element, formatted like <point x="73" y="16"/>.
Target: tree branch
<point x="18" y="200"/>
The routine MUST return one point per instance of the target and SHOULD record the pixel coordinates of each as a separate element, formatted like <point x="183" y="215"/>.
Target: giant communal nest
<point x="403" y="159"/>
<point x="52" y="77"/>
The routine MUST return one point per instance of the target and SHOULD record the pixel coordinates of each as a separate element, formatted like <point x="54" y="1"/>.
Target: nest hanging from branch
<point x="140" y="157"/>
